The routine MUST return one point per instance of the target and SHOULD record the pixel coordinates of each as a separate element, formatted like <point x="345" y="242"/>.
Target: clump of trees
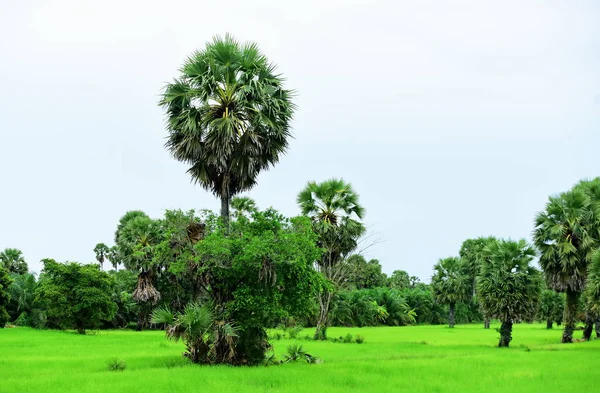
<point x="5" y="282"/>
<point x="75" y="296"/>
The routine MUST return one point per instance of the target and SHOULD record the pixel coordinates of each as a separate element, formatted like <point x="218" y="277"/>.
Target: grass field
<point x="413" y="359"/>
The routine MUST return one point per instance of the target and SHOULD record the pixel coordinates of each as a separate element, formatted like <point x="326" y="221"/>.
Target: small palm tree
<point x="12" y="259"/>
<point x="450" y="285"/>
<point x="202" y="332"/>
<point x="242" y="206"/>
<point x="508" y="286"/>
<point x="551" y="307"/>
<point x="101" y="250"/>
<point x="228" y="117"/>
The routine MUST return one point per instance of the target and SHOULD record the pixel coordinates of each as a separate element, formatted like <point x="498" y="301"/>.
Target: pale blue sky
<point x="453" y="119"/>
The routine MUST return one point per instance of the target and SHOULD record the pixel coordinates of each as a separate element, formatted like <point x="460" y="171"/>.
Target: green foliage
<point x="295" y="352"/>
<point x="551" y="306"/>
<point x="371" y="307"/>
<point x="13" y="261"/>
<point x="5" y="282"/>
<point x="207" y="339"/>
<point x="22" y="298"/>
<point x="228" y="117"/>
<point x="359" y="339"/>
<point x="75" y="296"/>
<point x="508" y="286"/>
<point x="116" y="365"/>
<point x="399" y="280"/>
<point x="567" y="233"/>
<point x="472" y="254"/>
<point x="592" y="291"/>
<point x="102" y="252"/>
<point x="364" y="274"/>
<point x="449" y="283"/>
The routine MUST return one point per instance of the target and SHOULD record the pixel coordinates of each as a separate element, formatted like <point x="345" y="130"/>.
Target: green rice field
<point x="401" y="359"/>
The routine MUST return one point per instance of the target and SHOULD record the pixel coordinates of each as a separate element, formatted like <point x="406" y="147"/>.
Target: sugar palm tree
<point x="508" y="286"/>
<point x="228" y="117"/>
<point x="12" y="259"/>
<point x="243" y="206"/>
<point x="334" y="208"/>
<point x="450" y="285"/>
<point x="202" y="332"/>
<point x="592" y="291"/>
<point x="102" y="251"/>
<point x="566" y="235"/>
<point x="136" y="239"/>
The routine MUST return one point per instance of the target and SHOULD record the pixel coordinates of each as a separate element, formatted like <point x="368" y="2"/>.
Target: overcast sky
<point x="452" y="119"/>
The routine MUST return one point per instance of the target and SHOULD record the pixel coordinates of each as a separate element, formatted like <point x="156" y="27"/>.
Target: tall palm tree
<point x="102" y="251"/>
<point x="450" y="285"/>
<point x="508" y="286"/>
<point x="565" y="235"/>
<point x="228" y="117"/>
<point x="335" y="211"/>
<point x="12" y="259"/>
<point x="592" y="291"/>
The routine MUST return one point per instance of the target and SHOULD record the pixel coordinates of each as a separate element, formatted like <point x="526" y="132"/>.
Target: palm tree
<point x="335" y="212"/>
<point x="22" y="292"/>
<point x="12" y="260"/>
<point x="450" y="285"/>
<point x="243" y="206"/>
<point x="566" y="235"/>
<point x="206" y="338"/>
<point x="592" y="291"/>
<point x="508" y="286"/>
<point x="136" y="237"/>
<point x="102" y="251"/>
<point x="228" y="117"/>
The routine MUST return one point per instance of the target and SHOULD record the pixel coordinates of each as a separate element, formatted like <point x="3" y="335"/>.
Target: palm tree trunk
<point x="451" y="315"/>
<point x="323" y="319"/>
<point x="570" y="315"/>
<point x="589" y="326"/>
<point x="505" y="334"/>
<point x="597" y="328"/>
<point x="225" y="199"/>
<point x="486" y="323"/>
<point x="549" y="324"/>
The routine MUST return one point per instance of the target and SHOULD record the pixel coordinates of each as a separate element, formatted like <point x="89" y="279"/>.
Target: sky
<point x="452" y="119"/>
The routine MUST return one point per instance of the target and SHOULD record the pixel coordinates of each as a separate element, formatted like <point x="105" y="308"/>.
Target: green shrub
<point x="359" y="339"/>
<point x="116" y="365"/>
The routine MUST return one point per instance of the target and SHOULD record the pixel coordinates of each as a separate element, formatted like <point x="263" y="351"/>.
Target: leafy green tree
<point x="5" y="282"/>
<point x="76" y="296"/>
<point x="228" y="117"/>
<point x="335" y="211"/>
<point x="450" y="285"/>
<point x="508" y="286"/>
<point x="13" y="260"/>
<point x="566" y="234"/>
<point x="399" y="280"/>
<point x="364" y="274"/>
<point x="551" y="307"/>
<point x="101" y="250"/>
<point x="258" y="273"/>
<point x="427" y="309"/>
